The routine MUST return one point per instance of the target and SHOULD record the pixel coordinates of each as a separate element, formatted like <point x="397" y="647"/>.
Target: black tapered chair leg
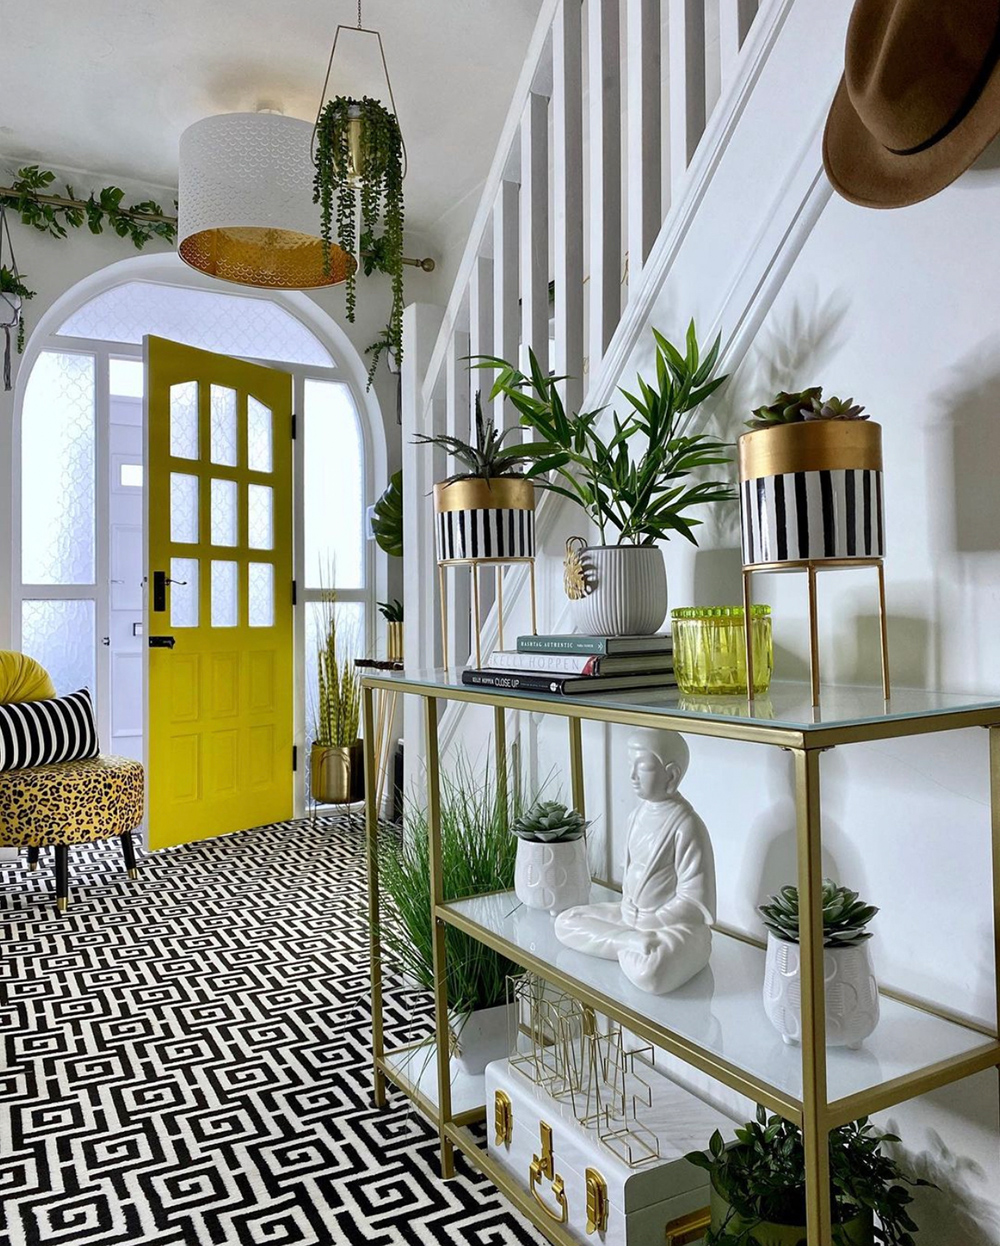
<point x="33" y="858"/>
<point x="62" y="877"/>
<point x="128" y="852"/>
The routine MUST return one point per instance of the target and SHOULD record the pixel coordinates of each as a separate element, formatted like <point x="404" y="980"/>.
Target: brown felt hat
<point x="919" y="99"/>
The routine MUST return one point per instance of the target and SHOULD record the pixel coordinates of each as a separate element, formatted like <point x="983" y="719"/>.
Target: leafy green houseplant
<point x="336" y="760"/>
<point x="758" y="1186"/>
<point x="13" y="293"/>
<point x="638" y="483"/>
<point x="392" y="612"/>
<point x="806" y="405"/>
<point x="477" y="855"/>
<point x="485" y="510"/>
<point x="852" y="999"/>
<point x="387" y="520"/>
<point x="359" y="166"/>
<point x="551" y="872"/>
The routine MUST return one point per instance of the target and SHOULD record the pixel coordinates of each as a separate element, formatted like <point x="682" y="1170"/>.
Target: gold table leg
<point x="813" y="635"/>
<point x="371" y="849"/>
<point x="439" y="949"/>
<point x="883" y="630"/>
<point x="995" y="828"/>
<point x="576" y="765"/>
<point x="748" y="628"/>
<point x="815" y="1113"/>
<point x="500" y="754"/>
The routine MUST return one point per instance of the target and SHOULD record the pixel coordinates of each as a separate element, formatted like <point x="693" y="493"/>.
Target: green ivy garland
<point x="381" y="197"/>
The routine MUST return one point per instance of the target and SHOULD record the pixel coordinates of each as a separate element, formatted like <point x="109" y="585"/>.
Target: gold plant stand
<point x="811" y="567"/>
<point x="474" y="565"/>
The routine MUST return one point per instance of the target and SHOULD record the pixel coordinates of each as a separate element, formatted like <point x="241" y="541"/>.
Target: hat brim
<point x="866" y="173"/>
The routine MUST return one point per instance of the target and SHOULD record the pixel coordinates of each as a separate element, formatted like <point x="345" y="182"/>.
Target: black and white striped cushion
<point x="36" y="733"/>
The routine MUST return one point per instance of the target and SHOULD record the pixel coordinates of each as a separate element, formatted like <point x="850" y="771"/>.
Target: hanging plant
<point x="13" y="292"/>
<point x="359" y="160"/>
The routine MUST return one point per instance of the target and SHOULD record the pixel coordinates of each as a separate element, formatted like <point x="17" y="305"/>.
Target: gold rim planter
<point x="484" y="523"/>
<point x="394" y="642"/>
<point x="337" y="774"/>
<point x="811" y="499"/>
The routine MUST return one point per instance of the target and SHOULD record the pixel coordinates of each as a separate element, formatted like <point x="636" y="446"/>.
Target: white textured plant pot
<point x="852" y="1002"/>
<point x="627" y="591"/>
<point x="481" y="1037"/>
<point x="552" y="876"/>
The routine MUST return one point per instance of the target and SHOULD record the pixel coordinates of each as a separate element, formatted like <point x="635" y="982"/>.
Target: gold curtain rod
<point x="426" y="265"/>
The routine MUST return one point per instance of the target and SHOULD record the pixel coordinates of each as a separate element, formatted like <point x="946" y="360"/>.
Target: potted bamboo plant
<point x="811" y="481"/>
<point x="758" y="1186"/>
<point x="486" y="511"/>
<point x="852" y="1001"/>
<point x="635" y="498"/>
<point x="337" y="775"/>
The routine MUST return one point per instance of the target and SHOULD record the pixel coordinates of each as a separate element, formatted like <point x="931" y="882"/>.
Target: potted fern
<point x="811" y="481"/>
<point x="758" y="1186"/>
<point x="638" y="486"/>
<point x="477" y="856"/>
<point x="486" y="511"/>
<point x="852" y="1000"/>
<point x="336" y="775"/>
<point x="551" y="870"/>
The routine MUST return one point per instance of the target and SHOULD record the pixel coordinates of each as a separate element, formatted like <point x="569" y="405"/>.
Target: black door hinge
<point x="295" y="757"/>
<point x="295" y="426"/>
<point x="295" y="592"/>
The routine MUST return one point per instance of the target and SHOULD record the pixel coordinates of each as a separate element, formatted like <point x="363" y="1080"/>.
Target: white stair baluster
<point x="735" y="19"/>
<point x="567" y="184"/>
<point x="642" y="67"/>
<point x="535" y="231"/>
<point x="506" y="314"/>
<point x="687" y="83"/>
<point x="605" y="191"/>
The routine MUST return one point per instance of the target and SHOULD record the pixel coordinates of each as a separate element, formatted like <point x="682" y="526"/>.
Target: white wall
<point x="898" y="309"/>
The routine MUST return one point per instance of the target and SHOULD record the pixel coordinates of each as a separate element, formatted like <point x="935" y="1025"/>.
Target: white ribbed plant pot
<point x="626" y="591"/>
<point x="552" y="876"/>
<point x="852" y="1000"/>
<point x="481" y="1037"/>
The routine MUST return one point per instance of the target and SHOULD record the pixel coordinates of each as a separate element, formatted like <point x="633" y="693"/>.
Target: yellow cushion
<point x="70" y="802"/>
<point x="23" y="679"/>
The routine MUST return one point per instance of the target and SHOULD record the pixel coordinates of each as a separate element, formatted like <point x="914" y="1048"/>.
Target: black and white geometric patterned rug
<point x="186" y="1058"/>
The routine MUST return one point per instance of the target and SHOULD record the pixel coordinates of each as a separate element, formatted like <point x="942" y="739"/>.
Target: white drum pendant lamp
<point x="245" y="204"/>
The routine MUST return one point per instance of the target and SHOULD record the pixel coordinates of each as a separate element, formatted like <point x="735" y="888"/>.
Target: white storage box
<point x="583" y="1185"/>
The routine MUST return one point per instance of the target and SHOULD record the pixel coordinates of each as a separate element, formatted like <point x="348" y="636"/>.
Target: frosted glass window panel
<point x="350" y="639"/>
<point x="225" y="605"/>
<point x="259" y="437"/>
<point x="184" y="592"/>
<point x="183" y="508"/>
<point x="223" y="438"/>
<point x="126" y="378"/>
<point x="223" y="512"/>
<point x="232" y="324"/>
<point x="260" y="596"/>
<point x="334" y="487"/>
<point x="60" y="635"/>
<point x="58" y="486"/>
<point x="184" y="420"/>
<point x="260" y="516"/>
<point x="130" y="475"/>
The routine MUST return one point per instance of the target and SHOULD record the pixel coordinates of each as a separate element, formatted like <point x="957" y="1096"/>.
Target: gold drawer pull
<point x="544" y="1166"/>
<point x="689" y="1228"/>
<point x="503" y="1118"/>
<point x="597" y="1202"/>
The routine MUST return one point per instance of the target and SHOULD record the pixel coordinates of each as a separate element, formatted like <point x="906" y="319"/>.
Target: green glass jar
<point x="710" y="649"/>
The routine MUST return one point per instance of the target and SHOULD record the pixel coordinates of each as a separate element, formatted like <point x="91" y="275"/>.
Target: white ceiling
<point x="107" y="86"/>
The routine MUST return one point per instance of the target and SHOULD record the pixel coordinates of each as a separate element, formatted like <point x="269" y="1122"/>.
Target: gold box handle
<point x="503" y="1118"/>
<point x="597" y="1202"/>
<point x="544" y="1166"/>
<point x="689" y="1228"/>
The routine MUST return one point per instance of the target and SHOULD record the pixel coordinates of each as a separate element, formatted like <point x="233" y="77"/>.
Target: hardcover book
<point x="599" y="646"/>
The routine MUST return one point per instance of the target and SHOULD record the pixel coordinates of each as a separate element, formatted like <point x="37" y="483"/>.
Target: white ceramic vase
<point x="481" y="1037"/>
<point x="552" y="876"/>
<point x="852" y="1001"/>
<point x="627" y="590"/>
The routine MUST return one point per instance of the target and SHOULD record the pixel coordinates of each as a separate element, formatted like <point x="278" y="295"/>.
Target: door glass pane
<point x="334" y="489"/>
<point x="259" y="454"/>
<point x="126" y="378"/>
<point x="183" y="508"/>
<point x="223" y="426"/>
<point x="260" y="520"/>
<point x="184" y="420"/>
<point x="57" y="471"/>
<point x="224" y="603"/>
<point x="261" y="594"/>
<point x="223" y="512"/>
<point x="184" y="592"/>
<point x="60" y="635"/>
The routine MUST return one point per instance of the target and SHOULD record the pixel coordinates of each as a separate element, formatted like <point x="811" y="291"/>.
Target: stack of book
<point x="576" y="665"/>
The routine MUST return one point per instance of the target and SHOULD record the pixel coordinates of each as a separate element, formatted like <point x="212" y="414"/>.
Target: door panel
<point x="219" y="525"/>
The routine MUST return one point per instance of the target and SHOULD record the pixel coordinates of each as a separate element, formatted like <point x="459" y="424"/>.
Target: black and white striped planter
<point x="485" y="519"/>
<point x="812" y="492"/>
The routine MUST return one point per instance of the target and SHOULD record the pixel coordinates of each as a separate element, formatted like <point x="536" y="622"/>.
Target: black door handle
<point x="159" y="592"/>
<point x="162" y="642"/>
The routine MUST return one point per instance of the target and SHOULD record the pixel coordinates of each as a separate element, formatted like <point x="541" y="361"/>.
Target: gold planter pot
<point x="394" y="642"/>
<point x="337" y="773"/>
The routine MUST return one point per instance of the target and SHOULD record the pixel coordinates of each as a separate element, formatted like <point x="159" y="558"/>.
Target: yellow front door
<point x="219" y="594"/>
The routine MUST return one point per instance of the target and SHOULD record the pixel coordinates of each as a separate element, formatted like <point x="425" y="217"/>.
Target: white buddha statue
<point x="661" y="931"/>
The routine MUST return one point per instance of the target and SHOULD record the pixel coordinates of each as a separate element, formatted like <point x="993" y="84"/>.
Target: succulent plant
<point x="787" y="408"/>
<point x="488" y="458"/>
<point x="844" y="915"/>
<point x="835" y="409"/>
<point x="550" y="822"/>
